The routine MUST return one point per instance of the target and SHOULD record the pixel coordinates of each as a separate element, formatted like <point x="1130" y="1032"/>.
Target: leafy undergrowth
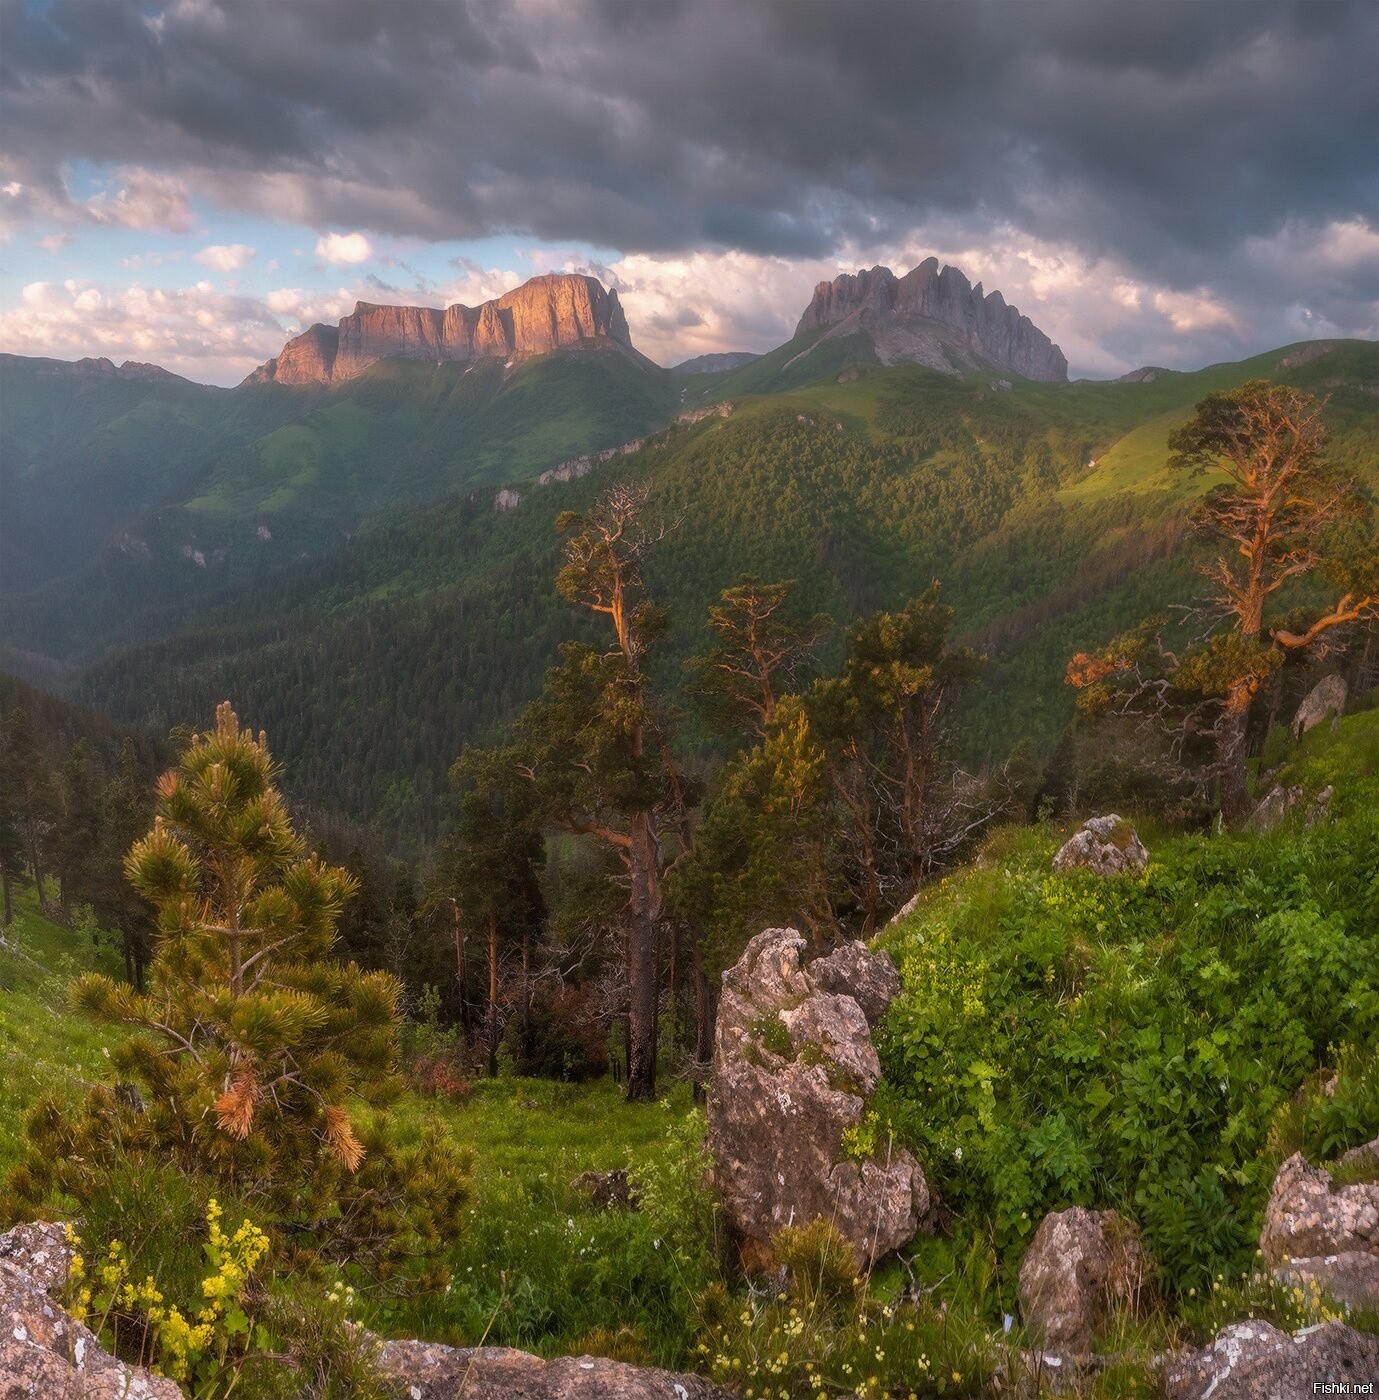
<point x="44" y="1048"/>
<point x="1153" y="1044"/>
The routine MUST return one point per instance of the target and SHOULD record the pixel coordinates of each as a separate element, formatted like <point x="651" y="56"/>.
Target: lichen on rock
<point x="793" y="1064"/>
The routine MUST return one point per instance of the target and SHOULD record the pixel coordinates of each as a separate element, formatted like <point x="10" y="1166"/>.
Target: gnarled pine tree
<point x="1282" y="513"/>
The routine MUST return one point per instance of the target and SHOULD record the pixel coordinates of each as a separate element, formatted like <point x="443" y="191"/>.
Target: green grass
<point x="44" y="1048"/>
<point x="536" y="1266"/>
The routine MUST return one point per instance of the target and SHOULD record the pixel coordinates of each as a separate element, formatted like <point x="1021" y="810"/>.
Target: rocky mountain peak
<point x="933" y="316"/>
<point x="555" y="311"/>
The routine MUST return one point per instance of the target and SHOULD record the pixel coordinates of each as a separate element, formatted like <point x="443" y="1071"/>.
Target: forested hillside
<point x="1046" y="511"/>
<point x="132" y="500"/>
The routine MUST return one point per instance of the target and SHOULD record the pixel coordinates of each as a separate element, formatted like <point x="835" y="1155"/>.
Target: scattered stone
<point x="1316" y="1232"/>
<point x="793" y="1061"/>
<point x="1106" y="845"/>
<point x="1274" y="806"/>
<point x="45" y="1353"/>
<point x="1079" y="1266"/>
<point x="1327" y="697"/>
<point x="1368" y="1153"/>
<point x="1321" y="804"/>
<point x="606" y="1190"/>
<point x="425" y="1371"/>
<point x="1254" y="1361"/>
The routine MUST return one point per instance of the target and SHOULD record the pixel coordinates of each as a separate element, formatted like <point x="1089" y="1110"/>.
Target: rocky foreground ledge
<point x="46" y="1355"/>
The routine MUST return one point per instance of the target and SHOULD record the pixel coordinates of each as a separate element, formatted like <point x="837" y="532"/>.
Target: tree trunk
<point x="703" y="1021"/>
<point x="1230" y="752"/>
<point x="493" y="994"/>
<point x="526" y="997"/>
<point x="461" y="972"/>
<point x="645" y="910"/>
<point x="9" y="898"/>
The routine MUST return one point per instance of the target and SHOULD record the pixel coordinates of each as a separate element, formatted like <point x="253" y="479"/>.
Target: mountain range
<point x="364" y="560"/>
<point x="559" y="311"/>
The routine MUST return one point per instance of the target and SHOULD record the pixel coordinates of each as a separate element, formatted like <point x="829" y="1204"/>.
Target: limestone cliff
<point x="935" y="318"/>
<point x="553" y="312"/>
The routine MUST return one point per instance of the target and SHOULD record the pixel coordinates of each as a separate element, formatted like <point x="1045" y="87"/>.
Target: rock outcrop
<point x="1276" y="804"/>
<point x="424" y="1371"/>
<point x="1255" y="1361"/>
<point x="43" y="1352"/>
<point x="1327" y="697"/>
<point x="1318" y="1233"/>
<point x="1080" y="1265"/>
<point x="553" y="312"/>
<point x="793" y="1064"/>
<point x="935" y="318"/>
<point x="1106" y="845"/>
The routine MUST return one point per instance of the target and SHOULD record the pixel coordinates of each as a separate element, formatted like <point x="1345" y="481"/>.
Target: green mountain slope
<point x="126" y="498"/>
<point x="372" y="664"/>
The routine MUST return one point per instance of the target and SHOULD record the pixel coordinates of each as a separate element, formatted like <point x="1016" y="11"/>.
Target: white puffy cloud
<point x="195" y="331"/>
<point x="145" y="199"/>
<point x="226" y="257"/>
<point x="341" y="248"/>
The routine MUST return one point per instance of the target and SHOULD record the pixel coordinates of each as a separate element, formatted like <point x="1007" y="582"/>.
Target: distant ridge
<point x="716" y="364"/>
<point x="92" y="368"/>
<point x="934" y="318"/>
<point x="552" y="312"/>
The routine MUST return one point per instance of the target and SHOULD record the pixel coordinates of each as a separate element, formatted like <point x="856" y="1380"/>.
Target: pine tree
<point x="76" y="832"/>
<point x="28" y="779"/>
<point x="594" y="744"/>
<point x="490" y="865"/>
<point x="904" y="675"/>
<point x="252" y="1045"/>
<point x="126" y="811"/>
<point x="755" y="653"/>
<point x="1280" y="512"/>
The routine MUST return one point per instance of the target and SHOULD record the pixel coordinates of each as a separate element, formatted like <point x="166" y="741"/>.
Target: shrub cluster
<point x="1153" y="1044"/>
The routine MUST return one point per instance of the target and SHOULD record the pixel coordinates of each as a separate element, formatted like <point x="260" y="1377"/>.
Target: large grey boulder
<point x="427" y="1371"/>
<point x="1106" y="845"/>
<point x="1316" y="1232"/>
<point x="793" y="1064"/>
<point x="1080" y="1265"/>
<point x="1255" y="1361"/>
<point x="44" y="1353"/>
<point x="1327" y="697"/>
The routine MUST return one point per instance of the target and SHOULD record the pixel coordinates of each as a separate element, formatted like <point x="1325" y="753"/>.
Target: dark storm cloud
<point x="1164" y="132"/>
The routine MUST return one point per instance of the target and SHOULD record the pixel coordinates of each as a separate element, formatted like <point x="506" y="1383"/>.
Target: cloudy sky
<point x="191" y="181"/>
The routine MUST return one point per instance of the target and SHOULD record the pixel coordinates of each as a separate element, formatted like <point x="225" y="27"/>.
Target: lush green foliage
<point x="1065" y="1039"/>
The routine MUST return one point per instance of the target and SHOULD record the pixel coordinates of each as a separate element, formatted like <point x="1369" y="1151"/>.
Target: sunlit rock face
<point x="933" y="317"/>
<point x="793" y="1067"/>
<point x="554" y="312"/>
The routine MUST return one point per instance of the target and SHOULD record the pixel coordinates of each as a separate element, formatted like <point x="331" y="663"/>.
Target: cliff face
<point x="932" y="317"/>
<point x="547" y="313"/>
